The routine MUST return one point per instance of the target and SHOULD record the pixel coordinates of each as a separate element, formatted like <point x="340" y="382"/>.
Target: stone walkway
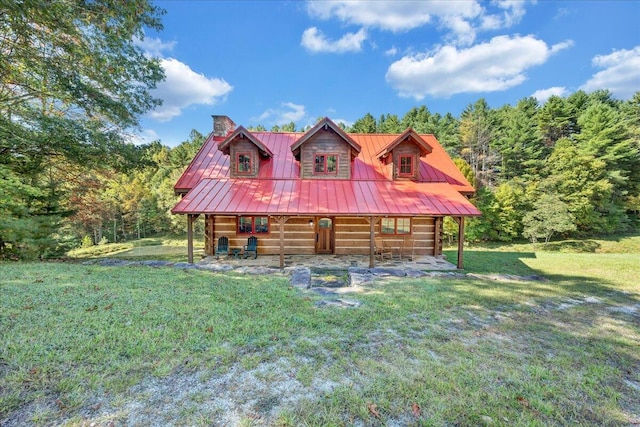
<point x="330" y="276"/>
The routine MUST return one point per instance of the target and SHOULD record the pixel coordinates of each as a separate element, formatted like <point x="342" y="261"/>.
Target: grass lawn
<point x="161" y="346"/>
<point x="165" y="248"/>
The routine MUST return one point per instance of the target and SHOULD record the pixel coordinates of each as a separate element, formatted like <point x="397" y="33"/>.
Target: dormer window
<point x="326" y="164"/>
<point x="243" y="165"/>
<point x="246" y="153"/>
<point x="325" y="152"/>
<point x="406" y="166"/>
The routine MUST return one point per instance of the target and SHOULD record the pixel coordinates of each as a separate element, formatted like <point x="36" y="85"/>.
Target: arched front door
<point x="324" y="235"/>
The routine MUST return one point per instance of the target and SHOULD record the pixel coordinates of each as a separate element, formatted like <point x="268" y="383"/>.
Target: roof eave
<point x="224" y="145"/>
<point x="326" y="122"/>
<point x="424" y="146"/>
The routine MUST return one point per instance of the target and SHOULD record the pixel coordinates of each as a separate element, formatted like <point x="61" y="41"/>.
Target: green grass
<point x="82" y="344"/>
<point x="164" y="248"/>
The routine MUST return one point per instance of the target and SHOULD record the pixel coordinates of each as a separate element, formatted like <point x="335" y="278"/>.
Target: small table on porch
<point x="236" y="252"/>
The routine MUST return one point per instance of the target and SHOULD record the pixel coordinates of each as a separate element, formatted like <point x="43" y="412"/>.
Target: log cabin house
<point x="323" y="191"/>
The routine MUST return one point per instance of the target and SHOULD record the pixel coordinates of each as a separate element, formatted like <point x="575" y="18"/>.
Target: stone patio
<point x="331" y="262"/>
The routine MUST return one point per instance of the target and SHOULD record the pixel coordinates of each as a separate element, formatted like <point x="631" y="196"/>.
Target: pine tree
<point x="366" y="124"/>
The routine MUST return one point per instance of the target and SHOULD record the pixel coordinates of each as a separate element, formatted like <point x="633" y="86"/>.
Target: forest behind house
<point x="568" y="167"/>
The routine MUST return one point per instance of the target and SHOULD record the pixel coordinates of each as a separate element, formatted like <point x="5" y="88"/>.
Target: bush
<point x="87" y="242"/>
<point x="103" y="241"/>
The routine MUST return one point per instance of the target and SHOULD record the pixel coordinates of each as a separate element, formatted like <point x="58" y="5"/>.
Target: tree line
<point x="568" y="166"/>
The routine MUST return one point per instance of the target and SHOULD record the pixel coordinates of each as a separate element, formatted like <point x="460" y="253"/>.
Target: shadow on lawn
<point x="575" y="323"/>
<point x="511" y="263"/>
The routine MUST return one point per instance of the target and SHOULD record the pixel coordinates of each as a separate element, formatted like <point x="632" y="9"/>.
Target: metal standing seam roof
<point x="331" y="197"/>
<point x="210" y="162"/>
<point x="278" y="189"/>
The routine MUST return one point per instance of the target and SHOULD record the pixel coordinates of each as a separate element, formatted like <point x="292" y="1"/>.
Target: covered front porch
<point x="291" y="237"/>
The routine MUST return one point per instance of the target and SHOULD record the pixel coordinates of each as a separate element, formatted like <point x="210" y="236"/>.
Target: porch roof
<point x="324" y="197"/>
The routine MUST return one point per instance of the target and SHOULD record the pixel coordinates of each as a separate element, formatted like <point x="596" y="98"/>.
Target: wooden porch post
<point x="460" y="240"/>
<point x="209" y="234"/>
<point x="372" y="232"/>
<point x="281" y="221"/>
<point x="190" y="238"/>
<point x="436" y="236"/>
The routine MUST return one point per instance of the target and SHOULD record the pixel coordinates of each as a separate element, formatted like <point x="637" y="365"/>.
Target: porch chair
<point x="251" y="247"/>
<point x="407" y="248"/>
<point x="223" y="247"/>
<point x="381" y="252"/>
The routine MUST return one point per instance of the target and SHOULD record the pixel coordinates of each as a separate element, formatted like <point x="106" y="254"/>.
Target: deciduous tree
<point x="72" y="84"/>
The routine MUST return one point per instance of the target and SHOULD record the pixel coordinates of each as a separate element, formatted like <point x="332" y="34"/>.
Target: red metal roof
<point x="278" y="189"/>
<point x="331" y="197"/>
<point x="408" y="134"/>
<point x="210" y="162"/>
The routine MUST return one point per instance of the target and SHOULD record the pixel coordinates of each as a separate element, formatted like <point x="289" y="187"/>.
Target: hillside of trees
<point x="570" y="166"/>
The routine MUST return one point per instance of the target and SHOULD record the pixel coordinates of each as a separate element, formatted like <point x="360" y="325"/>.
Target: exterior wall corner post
<point x="372" y="231"/>
<point x="190" y="219"/>
<point x="460" y="242"/>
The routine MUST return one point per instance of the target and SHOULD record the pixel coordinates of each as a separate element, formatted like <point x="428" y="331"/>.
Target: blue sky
<point x="272" y="62"/>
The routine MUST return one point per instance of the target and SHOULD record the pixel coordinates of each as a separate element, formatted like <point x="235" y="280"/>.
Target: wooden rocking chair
<point x="223" y="247"/>
<point x="251" y="247"/>
<point x="381" y="252"/>
<point x="408" y="248"/>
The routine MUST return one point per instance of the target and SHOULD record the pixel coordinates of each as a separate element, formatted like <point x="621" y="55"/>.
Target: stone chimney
<point x="222" y="125"/>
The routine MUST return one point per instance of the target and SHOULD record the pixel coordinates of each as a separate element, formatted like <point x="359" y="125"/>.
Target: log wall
<point x="325" y="142"/>
<point x="351" y="236"/>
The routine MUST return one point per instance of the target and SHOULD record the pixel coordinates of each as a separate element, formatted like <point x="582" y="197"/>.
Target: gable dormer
<point x="403" y="153"/>
<point x="245" y="152"/>
<point x="325" y="152"/>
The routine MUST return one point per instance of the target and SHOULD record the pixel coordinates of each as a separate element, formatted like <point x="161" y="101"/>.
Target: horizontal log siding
<point x="351" y="236"/>
<point x="422" y="233"/>
<point x="299" y="237"/>
<point x="325" y="142"/>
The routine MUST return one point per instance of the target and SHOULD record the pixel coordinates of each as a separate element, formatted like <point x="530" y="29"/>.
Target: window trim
<point x="246" y="154"/>
<point x="326" y="158"/>
<point x="411" y="164"/>
<point x="395" y="226"/>
<point x="253" y="225"/>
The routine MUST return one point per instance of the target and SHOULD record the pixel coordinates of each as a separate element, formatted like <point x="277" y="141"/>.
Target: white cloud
<point x="391" y="52"/>
<point x="487" y="67"/>
<point x="184" y="87"/>
<point x="314" y="41"/>
<point x="153" y="46"/>
<point x="461" y="18"/>
<point x="561" y="46"/>
<point x="347" y="123"/>
<point x="287" y="113"/>
<point x="145" y="136"/>
<point x="543" y="94"/>
<point x="512" y="12"/>
<point x="620" y="73"/>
